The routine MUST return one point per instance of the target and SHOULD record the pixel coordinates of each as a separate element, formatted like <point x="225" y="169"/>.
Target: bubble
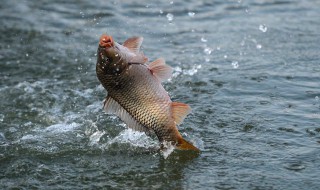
<point x="191" y="14"/>
<point x="170" y="17"/>
<point x="235" y="64"/>
<point x="263" y="27"/>
<point x="258" y="46"/>
<point x="242" y="43"/>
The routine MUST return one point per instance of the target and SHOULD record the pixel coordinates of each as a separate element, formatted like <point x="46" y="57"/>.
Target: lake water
<point x="250" y="70"/>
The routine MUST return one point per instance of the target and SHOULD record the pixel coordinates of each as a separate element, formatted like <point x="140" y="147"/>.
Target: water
<point x="249" y="70"/>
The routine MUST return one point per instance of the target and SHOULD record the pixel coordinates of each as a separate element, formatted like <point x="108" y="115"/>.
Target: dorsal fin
<point x="113" y="107"/>
<point x="160" y="69"/>
<point x="133" y="44"/>
<point x="139" y="58"/>
<point x="179" y="111"/>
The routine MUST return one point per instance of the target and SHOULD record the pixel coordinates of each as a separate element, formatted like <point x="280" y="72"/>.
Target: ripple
<point x="295" y="166"/>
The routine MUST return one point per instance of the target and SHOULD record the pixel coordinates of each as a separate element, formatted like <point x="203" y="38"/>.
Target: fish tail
<point x="185" y="145"/>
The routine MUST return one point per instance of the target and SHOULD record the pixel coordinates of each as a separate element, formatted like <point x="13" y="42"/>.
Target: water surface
<point x="249" y="70"/>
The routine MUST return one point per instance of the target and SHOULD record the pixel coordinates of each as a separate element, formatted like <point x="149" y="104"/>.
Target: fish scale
<point x="136" y="101"/>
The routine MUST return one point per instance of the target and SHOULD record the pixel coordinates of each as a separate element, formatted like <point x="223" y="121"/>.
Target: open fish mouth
<point x="106" y="41"/>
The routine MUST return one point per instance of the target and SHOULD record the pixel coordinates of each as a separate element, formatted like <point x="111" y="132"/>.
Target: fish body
<point x="135" y="92"/>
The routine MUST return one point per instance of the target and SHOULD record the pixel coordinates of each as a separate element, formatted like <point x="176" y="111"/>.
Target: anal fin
<point x="179" y="111"/>
<point x="160" y="69"/>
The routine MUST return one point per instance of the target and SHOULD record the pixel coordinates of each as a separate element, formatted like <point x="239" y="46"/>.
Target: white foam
<point x="95" y="137"/>
<point x="61" y="128"/>
<point x="135" y="138"/>
<point x="30" y="137"/>
<point x="178" y="70"/>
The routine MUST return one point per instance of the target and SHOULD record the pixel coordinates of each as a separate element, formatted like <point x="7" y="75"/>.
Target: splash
<point x="191" y="14"/>
<point x="192" y="71"/>
<point x="168" y="148"/>
<point x="235" y="64"/>
<point x="170" y="17"/>
<point x="134" y="138"/>
<point x="263" y="28"/>
<point x="95" y="137"/>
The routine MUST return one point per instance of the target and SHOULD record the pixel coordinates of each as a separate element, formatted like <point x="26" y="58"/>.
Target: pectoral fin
<point x="160" y="69"/>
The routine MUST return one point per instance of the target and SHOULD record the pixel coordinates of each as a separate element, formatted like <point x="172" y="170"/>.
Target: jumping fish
<point x="135" y="93"/>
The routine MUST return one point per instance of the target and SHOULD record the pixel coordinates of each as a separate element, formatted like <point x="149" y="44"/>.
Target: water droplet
<point x="259" y="46"/>
<point x="171" y="2"/>
<point x="82" y="14"/>
<point x="235" y="64"/>
<point x="263" y="27"/>
<point x="161" y="11"/>
<point x="27" y="55"/>
<point x="207" y="59"/>
<point x="317" y="98"/>
<point x="170" y="17"/>
<point x="1" y="117"/>
<point x="225" y="56"/>
<point x="242" y="43"/>
<point x="207" y="50"/>
<point x="76" y="60"/>
<point x="218" y="48"/>
<point x="203" y="39"/>
<point x="191" y="14"/>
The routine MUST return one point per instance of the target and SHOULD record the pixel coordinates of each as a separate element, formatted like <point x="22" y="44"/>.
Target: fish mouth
<point x="106" y="41"/>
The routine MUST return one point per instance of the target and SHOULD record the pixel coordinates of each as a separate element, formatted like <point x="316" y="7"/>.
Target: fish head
<point x="111" y="59"/>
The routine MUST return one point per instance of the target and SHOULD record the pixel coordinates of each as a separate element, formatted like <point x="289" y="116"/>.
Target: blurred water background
<point x="249" y="69"/>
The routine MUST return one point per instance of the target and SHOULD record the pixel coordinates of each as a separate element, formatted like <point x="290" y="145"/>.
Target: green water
<point x="250" y="70"/>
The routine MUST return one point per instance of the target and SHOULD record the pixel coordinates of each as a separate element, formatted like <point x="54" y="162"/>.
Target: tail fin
<point x="185" y="145"/>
